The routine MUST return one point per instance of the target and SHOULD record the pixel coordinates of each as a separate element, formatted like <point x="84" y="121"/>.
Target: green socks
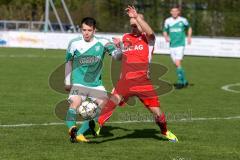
<point x="71" y="121"/>
<point x="84" y="127"/>
<point x="181" y="76"/>
<point x="71" y="118"/>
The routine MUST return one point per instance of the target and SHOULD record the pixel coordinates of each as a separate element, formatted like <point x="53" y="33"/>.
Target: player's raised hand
<point x="131" y="11"/>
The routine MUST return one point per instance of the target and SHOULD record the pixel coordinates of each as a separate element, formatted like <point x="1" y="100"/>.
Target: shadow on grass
<point x="135" y="134"/>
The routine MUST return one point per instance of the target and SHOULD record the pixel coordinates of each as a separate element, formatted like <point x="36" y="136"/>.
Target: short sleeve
<point x="69" y="52"/>
<point x="166" y="26"/>
<point x="186" y="23"/>
<point x="110" y="47"/>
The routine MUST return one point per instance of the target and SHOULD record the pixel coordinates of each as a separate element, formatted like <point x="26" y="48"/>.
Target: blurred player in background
<point x="174" y="32"/>
<point x="134" y="79"/>
<point x="84" y="62"/>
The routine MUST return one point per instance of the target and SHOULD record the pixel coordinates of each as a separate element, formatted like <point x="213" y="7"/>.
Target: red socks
<point x="161" y="122"/>
<point x="106" y="112"/>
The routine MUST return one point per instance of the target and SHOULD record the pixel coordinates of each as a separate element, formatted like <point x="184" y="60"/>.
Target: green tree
<point x="208" y="17"/>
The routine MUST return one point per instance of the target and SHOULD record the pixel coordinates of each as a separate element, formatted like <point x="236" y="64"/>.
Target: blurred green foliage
<point x="207" y="17"/>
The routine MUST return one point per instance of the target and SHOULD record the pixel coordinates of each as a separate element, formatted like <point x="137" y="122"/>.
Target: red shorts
<point x="141" y="88"/>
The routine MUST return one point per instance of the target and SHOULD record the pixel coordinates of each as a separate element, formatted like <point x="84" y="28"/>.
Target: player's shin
<point x="84" y="127"/>
<point x="106" y="112"/>
<point x="181" y="75"/>
<point x="184" y="77"/>
<point x="161" y="122"/>
<point x="71" y="118"/>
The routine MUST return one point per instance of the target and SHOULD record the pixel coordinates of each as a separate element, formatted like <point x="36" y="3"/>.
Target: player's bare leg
<point x="178" y="63"/>
<point x="108" y="108"/>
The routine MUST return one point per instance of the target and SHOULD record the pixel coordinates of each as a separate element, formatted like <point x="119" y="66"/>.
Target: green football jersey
<point x="87" y="60"/>
<point x="176" y="30"/>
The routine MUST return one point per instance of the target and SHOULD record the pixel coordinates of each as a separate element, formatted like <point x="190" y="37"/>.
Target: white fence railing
<point x="218" y="47"/>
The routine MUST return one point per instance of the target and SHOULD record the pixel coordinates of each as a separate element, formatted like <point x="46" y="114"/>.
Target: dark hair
<point x="89" y="21"/>
<point x="176" y="6"/>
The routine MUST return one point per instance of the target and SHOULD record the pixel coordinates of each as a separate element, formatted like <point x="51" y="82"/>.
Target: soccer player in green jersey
<point x="83" y="68"/>
<point x="174" y="32"/>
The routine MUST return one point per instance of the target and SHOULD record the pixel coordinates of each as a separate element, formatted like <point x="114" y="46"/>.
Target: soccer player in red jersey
<point x="134" y="80"/>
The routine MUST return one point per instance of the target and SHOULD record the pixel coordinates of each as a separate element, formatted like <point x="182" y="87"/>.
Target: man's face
<point x="136" y="29"/>
<point x="87" y="32"/>
<point x="175" y="12"/>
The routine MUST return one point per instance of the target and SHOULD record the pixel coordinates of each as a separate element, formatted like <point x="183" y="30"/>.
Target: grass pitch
<point x="210" y="129"/>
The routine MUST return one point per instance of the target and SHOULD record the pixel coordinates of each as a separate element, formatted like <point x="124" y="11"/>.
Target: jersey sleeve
<point x="109" y="46"/>
<point x="69" y="52"/>
<point x="186" y="23"/>
<point x="151" y="42"/>
<point x="166" y="26"/>
<point x="114" y="51"/>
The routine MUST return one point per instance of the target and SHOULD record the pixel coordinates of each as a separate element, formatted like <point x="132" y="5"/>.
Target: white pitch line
<point x="118" y="122"/>
<point x="227" y="88"/>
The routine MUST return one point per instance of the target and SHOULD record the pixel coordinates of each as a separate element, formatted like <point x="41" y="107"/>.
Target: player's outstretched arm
<point x="132" y="13"/>
<point x="113" y="50"/>
<point x="117" y="54"/>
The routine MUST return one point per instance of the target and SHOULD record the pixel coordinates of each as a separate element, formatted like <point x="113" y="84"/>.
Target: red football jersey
<point x="136" y="56"/>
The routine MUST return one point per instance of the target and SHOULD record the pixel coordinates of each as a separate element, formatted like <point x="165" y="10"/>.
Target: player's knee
<point x="155" y="111"/>
<point x="178" y="63"/>
<point x="74" y="102"/>
<point x="101" y="102"/>
<point x="115" y="98"/>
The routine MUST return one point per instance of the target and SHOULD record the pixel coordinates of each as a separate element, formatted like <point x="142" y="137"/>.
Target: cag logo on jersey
<point x="133" y="48"/>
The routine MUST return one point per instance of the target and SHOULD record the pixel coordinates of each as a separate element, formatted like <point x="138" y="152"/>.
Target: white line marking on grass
<point x="213" y="118"/>
<point x="117" y="122"/>
<point x="227" y="88"/>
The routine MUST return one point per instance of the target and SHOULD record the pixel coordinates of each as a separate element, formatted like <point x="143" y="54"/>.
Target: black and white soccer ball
<point x="88" y="110"/>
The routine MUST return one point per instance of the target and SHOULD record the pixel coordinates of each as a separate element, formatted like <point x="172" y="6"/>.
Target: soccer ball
<point x="88" y="110"/>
